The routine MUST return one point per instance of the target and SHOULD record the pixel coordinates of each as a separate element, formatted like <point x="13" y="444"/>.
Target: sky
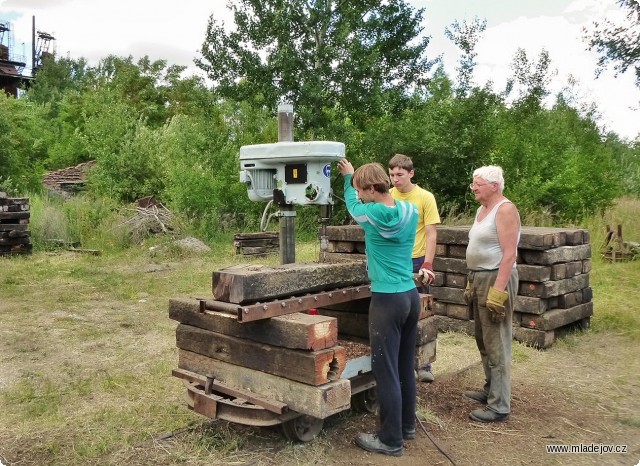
<point x="174" y="31"/>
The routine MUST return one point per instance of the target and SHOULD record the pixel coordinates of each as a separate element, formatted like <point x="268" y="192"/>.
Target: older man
<point x="491" y="289"/>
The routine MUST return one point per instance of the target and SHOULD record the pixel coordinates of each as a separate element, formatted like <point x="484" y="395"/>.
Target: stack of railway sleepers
<point x="553" y="264"/>
<point x="14" y="225"/>
<point x="256" y="336"/>
<point x="257" y="244"/>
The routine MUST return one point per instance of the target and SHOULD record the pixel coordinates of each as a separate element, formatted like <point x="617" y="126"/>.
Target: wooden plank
<point x="341" y="246"/>
<point x="317" y="401"/>
<point x="257" y="250"/>
<point x="13" y="226"/>
<point x="426" y="353"/>
<point x="556" y="255"/>
<point x="574" y="298"/>
<point x="345" y="233"/>
<point x="449" y="295"/>
<point x="440" y="308"/>
<point x="14" y="215"/>
<point x="459" y="311"/>
<point x="577" y="236"/>
<point x="453" y="235"/>
<point x="556" y="318"/>
<point x="440" y="278"/>
<point x="450" y="265"/>
<point x="455" y="280"/>
<point x="553" y="287"/>
<point x="427" y="331"/>
<point x="340" y="257"/>
<point x="448" y="324"/>
<point x="534" y="273"/>
<point x="457" y="251"/>
<point x="258" y="242"/>
<point x="310" y="367"/>
<point x="249" y="283"/>
<point x="260" y="235"/>
<point x="533" y="337"/>
<point x="297" y="331"/>
<point x="530" y="305"/>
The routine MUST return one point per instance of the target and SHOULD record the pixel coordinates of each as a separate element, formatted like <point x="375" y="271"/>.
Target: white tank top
<point x="484" y="251"/>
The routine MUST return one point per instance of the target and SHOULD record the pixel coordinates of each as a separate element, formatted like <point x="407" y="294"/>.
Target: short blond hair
<point x="372" y="174"/>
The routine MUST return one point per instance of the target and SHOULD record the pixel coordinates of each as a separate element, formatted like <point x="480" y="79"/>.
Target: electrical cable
<point x="433" y="440"/>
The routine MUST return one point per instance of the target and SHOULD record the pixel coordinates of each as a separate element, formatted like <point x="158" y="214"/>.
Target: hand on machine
<point x="426" y="274"/>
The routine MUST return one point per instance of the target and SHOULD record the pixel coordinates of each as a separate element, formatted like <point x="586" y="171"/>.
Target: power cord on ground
<point x="434" y="441"/>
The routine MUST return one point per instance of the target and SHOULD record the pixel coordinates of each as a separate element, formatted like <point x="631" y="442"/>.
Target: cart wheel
<point x="302" y="429"/>
<point x="366" y="401"/>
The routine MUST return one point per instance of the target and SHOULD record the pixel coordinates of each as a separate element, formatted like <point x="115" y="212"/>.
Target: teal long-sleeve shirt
<point x="389" y="236"/>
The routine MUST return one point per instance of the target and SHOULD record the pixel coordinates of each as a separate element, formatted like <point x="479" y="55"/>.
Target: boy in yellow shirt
<point x="401" y="172"/>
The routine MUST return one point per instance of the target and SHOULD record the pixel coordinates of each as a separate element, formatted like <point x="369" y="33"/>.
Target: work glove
<point x="426" y="273"/>
<point x="495" y="304"/>
<point x="468" y="294"/>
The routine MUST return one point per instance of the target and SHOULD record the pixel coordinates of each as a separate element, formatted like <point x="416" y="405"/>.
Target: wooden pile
<point x="615" y="249"/>
<point x="258" y="336"/>
<point x="553" y="265"/>
<point x="14" y="225"/>
<point x="257" y="244"/>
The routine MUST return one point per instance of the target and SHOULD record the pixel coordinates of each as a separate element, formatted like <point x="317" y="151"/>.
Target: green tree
<point x="466" y="36"/>
<point x="358" y="57"/>
<point x="23" y="148"/>
<point x="618" y="43"/>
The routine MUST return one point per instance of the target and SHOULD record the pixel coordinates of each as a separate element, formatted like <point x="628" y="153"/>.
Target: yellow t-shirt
<point x="428" y="210"/>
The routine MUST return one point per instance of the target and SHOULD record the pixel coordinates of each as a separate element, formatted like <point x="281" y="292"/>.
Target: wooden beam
<point x="250" y="283"/>
<point x="296" y="331"/>
<point x="317" y="401"/>
<point x="310" y="367"/>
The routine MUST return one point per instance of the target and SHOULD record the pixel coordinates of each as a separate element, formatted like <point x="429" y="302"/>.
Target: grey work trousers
<point x="494" y="339"/>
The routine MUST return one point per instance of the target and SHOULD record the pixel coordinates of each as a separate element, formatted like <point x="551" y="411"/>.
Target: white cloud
<point x="174" y="32"/>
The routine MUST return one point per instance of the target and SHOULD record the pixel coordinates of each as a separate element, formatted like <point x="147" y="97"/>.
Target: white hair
<point x="491" y="174"/>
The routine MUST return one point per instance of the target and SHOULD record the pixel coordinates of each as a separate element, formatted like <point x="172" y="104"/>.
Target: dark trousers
<point x="393" y="319"/>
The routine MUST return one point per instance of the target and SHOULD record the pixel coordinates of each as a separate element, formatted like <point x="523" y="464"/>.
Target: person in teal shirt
<point x="390" y="231"/>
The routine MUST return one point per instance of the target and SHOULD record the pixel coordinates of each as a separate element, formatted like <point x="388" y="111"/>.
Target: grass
<point x="87" y="348"/>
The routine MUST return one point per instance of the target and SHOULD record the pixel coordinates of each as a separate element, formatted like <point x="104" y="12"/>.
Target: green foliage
<point x="357" y="57"/>
<point x="618" y="41"/>
<point x="559" y="163"/>
<point x="22" y="145"/>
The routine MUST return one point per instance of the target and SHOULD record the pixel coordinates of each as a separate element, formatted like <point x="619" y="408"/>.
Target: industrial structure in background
<point x="12" y="65"/>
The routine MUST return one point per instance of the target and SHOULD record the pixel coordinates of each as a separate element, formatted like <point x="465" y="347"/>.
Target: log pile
<point x="257" y="244"/>
<point x="292" y="334"/>
<point x="14" y="225"/>
<point x="553" y="264"/>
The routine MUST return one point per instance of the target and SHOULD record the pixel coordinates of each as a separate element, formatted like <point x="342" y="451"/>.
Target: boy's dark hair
<point x="401" y="161"/>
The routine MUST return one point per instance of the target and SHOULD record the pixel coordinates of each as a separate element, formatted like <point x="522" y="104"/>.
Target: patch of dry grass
<point x="87" y="348"/>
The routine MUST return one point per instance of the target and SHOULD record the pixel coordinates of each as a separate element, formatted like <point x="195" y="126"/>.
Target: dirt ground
<point x="585" y="390"/>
